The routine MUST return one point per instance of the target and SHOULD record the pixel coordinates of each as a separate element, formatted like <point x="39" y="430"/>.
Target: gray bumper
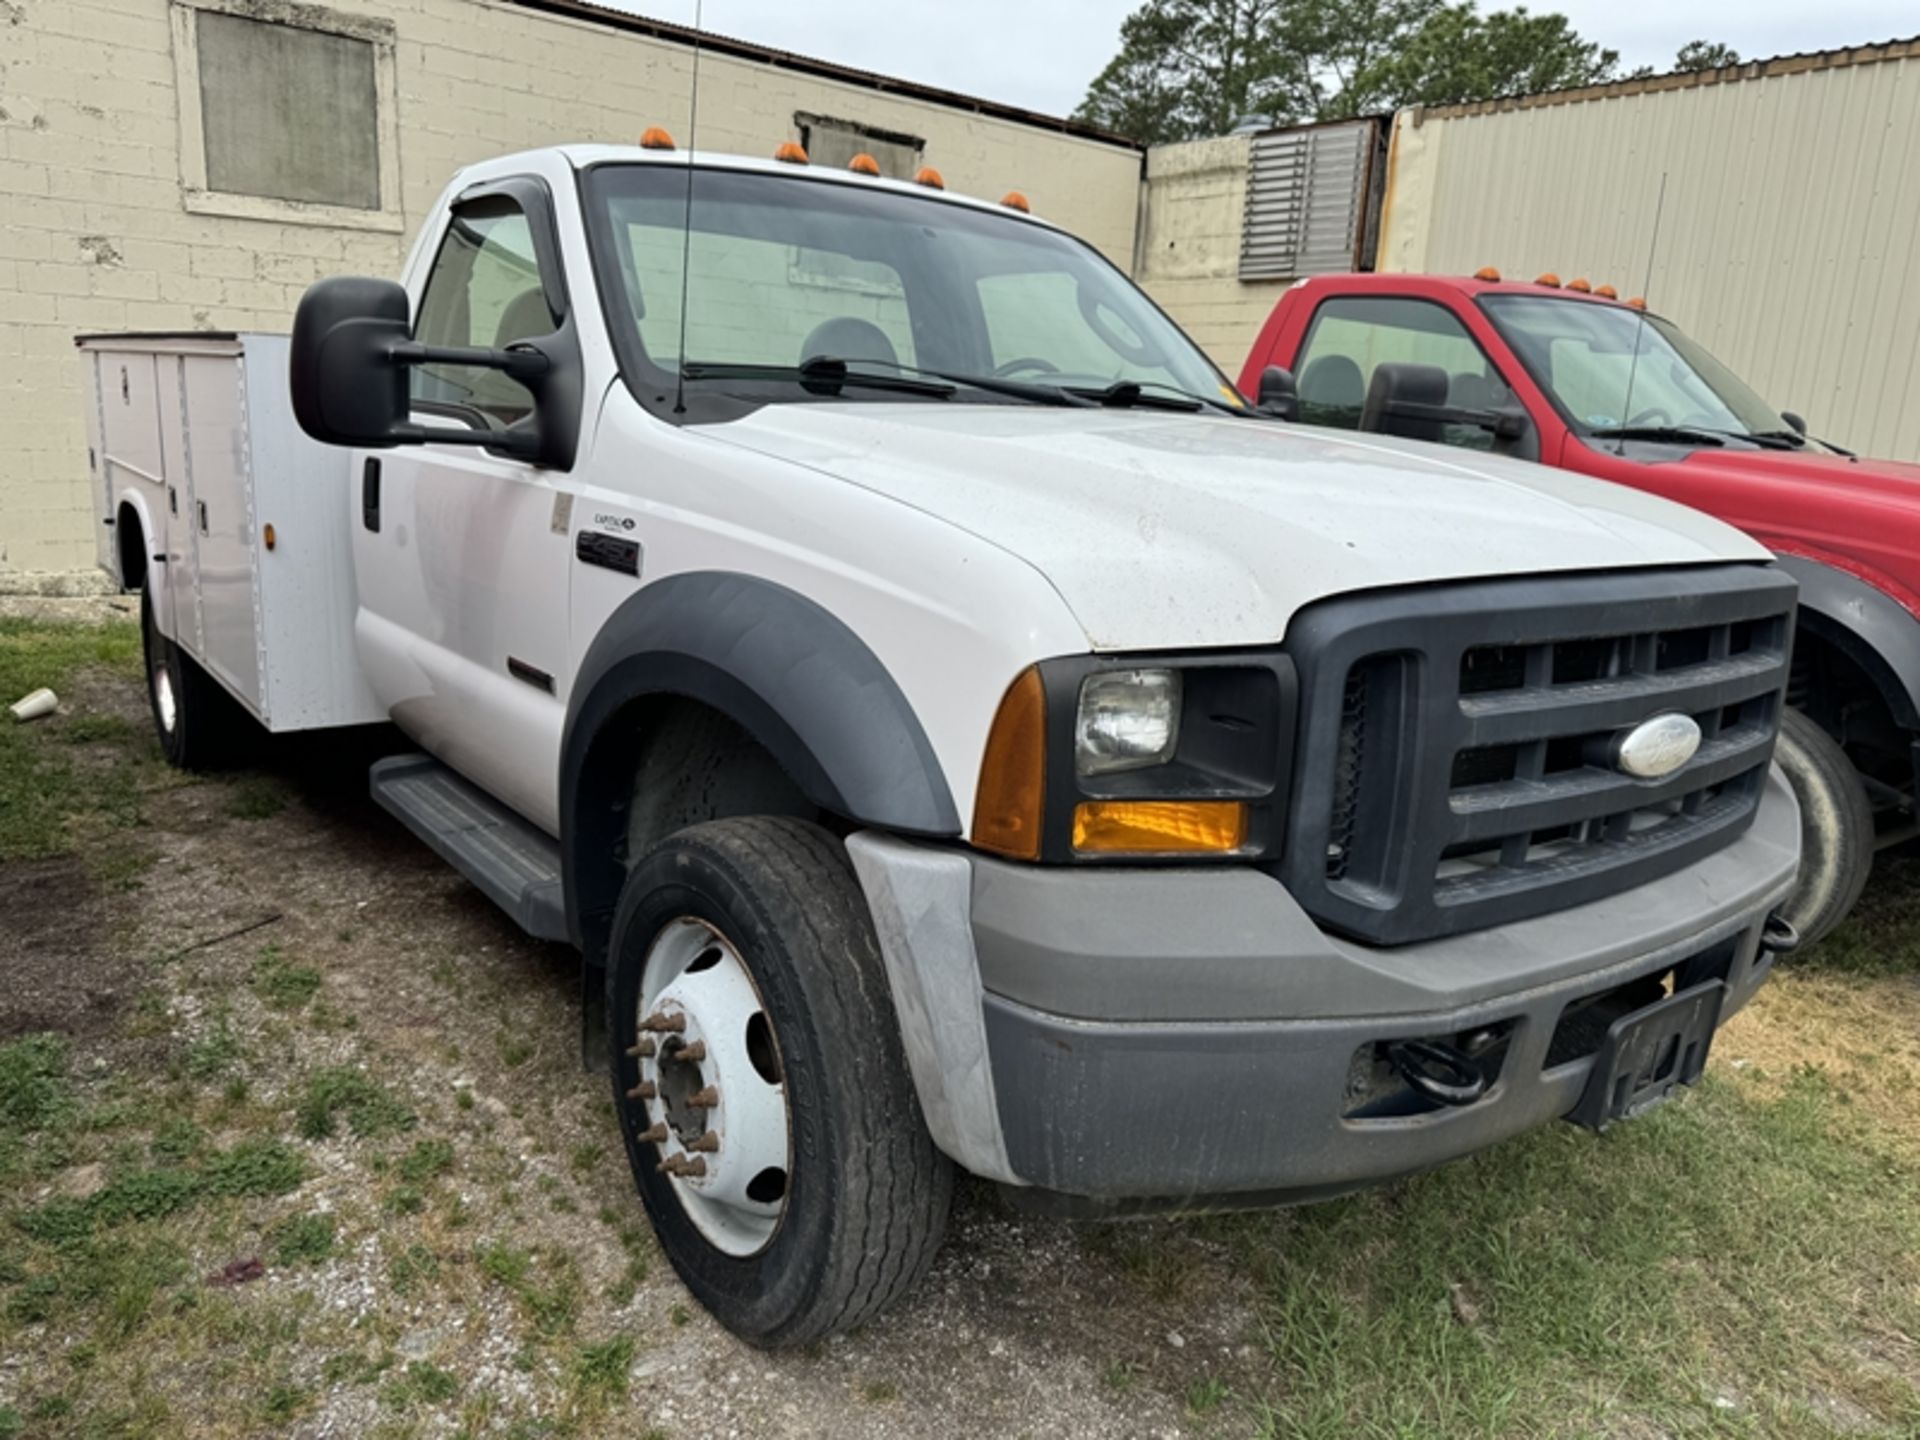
<point x="1189" y="1034"/>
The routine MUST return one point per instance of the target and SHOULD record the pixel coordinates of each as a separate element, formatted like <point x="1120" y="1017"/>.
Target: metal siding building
<point x="1789" y="243"/>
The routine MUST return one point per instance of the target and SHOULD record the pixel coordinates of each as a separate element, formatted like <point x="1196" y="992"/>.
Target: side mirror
<point x="351" y="349"/>
<point x="1794" y="422"/>
<point x="1279" y="393"/>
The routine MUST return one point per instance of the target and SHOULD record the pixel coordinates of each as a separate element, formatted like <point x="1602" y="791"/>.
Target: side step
<point x="515" y="864"/>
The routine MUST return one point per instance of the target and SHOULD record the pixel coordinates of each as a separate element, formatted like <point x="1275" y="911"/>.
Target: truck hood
<point x="1164" y="530"/>
<point x="1891" y="481"/>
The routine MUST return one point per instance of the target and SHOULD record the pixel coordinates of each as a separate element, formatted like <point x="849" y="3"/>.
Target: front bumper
<point x="1146" y="1038"/>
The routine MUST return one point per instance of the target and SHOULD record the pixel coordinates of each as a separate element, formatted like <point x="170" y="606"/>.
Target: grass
<point x="280" y="983"/>
<point x="342" y="1091"/>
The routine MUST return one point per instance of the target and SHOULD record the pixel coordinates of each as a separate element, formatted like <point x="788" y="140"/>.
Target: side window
<point x="484" y="290"/>
<point x="1352" y="335"/>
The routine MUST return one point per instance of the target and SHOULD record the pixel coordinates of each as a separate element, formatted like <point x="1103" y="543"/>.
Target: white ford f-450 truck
<point x="954" y="728"/>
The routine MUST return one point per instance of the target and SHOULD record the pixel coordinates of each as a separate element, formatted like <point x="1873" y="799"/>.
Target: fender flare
<point x="782" y="667"/>
<point x="1868" y="626"/>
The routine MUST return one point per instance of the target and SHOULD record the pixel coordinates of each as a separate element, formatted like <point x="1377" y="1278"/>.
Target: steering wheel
<point x="1139" y="351"/>
<point x="1035" y="363"/>
<point x="1652" y="415"/>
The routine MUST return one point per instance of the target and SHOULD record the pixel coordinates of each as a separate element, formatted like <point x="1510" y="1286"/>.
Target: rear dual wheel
<point x="769" y="1117"/>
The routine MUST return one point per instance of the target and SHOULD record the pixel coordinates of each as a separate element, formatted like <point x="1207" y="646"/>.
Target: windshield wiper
<point x="827" y="374"/>
<point x="1124" y="393"/>
<point x="1676" y="434"/>
<point x="1773" y="439"/>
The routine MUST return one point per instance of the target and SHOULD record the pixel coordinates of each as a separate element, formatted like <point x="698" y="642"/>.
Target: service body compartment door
<point x="132" y="458"/>
<point x="217" y="508"/>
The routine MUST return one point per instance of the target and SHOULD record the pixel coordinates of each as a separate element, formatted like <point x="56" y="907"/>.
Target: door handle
<point x="370" y="495"/>
<point x="202" y="506"/>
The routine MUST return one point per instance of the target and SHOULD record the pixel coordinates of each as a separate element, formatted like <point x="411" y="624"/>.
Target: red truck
<point x="1573" y="377"/>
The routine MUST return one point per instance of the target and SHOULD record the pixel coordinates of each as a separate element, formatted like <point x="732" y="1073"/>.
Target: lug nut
<point x="642" y="1051"/>
<point x="691" y="1054"/>
<point x="653" y="1134"/>
<point x="708" y="1143"/>
<point x="681" y="1165"/>
<point x="704" y="1099"/>
<point x="645" y="1090"/>
<point x="662" y="1023"/>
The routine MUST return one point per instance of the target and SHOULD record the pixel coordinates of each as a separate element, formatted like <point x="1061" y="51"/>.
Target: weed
<point x="879" y="1392"/>
<point x="352" y="1367"/>
<point x="303" y="1239"/>
<point x="176" y="1140"/>
<point x="419" y="1384"/>
<point x="256" y="797"/>
<point x="586" y="1158"/>
<point x="281" y="984"/>
<point x="404" y="1200"/>
<point x="255" y="1167"/>
<point x="1206" y="1396"/>
<point x="622" y="1291"/>
<point x="601" y="1370"/>
<point x="33" y="1084"/>
<point x="284" y="1401"/>
<point x="464" y="1099"/>
<point x="411" y="1268"/>
<point x="213" y="1055"/>
<point x="145" y="1195"/>
<point x="515" y="1050"/>
<point x="427" y="1159"/>
<point x="369" y="1110"/>
<point x="502" y="1263"/>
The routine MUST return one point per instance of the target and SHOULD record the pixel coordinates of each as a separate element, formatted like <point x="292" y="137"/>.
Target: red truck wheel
<point x="1836" y="827"/>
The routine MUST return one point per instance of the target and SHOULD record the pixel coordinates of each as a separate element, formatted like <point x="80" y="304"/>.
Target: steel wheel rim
<point x="164" y="704"/>
<point x="711" y="1087"/>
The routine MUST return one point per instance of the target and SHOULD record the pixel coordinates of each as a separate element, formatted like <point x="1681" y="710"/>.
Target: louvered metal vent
<point x="1309" y="207"/>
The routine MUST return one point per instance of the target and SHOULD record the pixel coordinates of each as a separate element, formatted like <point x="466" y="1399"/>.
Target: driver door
<point x="462" y="552"/>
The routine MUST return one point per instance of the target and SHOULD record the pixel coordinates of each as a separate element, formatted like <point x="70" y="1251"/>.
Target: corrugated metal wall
<point x="1790" y="239"/>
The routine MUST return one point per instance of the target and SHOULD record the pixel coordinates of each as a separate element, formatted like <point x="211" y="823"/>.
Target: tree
<point x="1189" y="68"/>
<point x="1705" y="55"/>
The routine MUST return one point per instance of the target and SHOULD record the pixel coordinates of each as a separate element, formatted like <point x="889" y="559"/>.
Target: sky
<point x="1040" y="54"/>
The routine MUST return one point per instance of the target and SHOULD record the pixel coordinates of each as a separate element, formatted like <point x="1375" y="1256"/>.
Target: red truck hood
<point x="1896" y="482"/>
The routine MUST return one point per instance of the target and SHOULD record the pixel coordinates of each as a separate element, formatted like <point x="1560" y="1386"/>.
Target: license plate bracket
<point x="1649" y="1054"/>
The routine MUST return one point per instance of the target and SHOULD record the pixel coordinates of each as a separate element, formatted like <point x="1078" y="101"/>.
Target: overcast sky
<point x="1040" y="54"/>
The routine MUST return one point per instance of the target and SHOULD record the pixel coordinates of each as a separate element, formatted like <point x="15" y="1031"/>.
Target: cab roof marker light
<point x="1638" y="302"/>
<point x="1580" y="284"/>
<point x="864" y="164"/>
<point x="791" y="152"/>
<point x="1549" y="279"/>
<point x="1487" y="273"/>
<point x="1014" y="200"/>
<point x="930" y="178"/>
<point x="655" y="138"/>
<point x="1606" y="292"/>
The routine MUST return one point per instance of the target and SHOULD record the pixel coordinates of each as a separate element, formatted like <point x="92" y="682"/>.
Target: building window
<point x="833" y="143"/>
<point x="289" y="118"/>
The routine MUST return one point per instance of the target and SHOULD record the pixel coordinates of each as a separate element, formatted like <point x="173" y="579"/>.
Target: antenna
<point x="686" y="229"/>
<point x="1640" y="331"/>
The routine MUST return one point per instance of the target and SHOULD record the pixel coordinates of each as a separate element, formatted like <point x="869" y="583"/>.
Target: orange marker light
<point x="654" y="138"/>
<point x="1011" y="797"/>
<point x="1581" y="285"/>
<point x="792" y="152"/>
<point x="1549" y="279"/>
<point x="864" y="164"/>
<point x="1488" y="273"/>
<point x="1606" y="292"/>
<point x="1014" y="200"/>
<point x="930" y="178"/>
<point x="1159" y="827"/>
<point x="1638" y="302"/>
<point x="268" y="538"/>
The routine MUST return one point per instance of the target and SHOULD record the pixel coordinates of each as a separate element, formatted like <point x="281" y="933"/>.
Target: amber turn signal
<point x="1487" y="273"/>
<point x="1011" y="799"/>
<point x="930" y="177"/>
<point x="654" y="138"/>
<point x="1014" y="200"/>
<point x="267" y="537"/>
<point x="1159" y="827"/>
<point x="792" y="152"/>
<point x="864" y="164"/>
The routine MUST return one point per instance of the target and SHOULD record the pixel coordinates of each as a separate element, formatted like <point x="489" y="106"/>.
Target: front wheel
<point x="1836" y="827"/>
<point x="763" y="1092"/>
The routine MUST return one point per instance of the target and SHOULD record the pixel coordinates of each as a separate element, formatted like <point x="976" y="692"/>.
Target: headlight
<point x="1128" y="720"/>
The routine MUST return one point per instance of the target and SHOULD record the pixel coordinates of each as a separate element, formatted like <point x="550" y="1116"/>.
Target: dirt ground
<point x="487" y="1268"/>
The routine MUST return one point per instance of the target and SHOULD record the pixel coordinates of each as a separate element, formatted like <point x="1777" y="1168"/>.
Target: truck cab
<point x="959" y="733"/>
<point x="1573" y="377"/>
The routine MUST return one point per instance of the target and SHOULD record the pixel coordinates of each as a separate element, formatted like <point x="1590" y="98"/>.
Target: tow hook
<point x="1778" y="935"/>
<point x="1443" y="1073"/>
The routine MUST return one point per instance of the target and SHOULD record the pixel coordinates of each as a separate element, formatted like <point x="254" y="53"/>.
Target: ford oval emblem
<point x="1656" y="748"/>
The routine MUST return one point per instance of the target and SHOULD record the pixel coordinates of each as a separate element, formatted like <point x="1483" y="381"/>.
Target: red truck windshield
<point x="1582" y="355"/>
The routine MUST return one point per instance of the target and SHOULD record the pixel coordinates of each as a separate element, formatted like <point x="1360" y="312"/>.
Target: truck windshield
<point x="1582" y="354"/>
<point x="783" y="270"/>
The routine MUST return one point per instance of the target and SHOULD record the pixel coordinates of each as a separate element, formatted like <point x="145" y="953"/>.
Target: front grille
<point x="1455" y="764"/>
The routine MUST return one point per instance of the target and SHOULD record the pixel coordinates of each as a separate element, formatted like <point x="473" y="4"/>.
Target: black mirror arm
<point x="522" y="363"/>
<point x="1508" y="424"/>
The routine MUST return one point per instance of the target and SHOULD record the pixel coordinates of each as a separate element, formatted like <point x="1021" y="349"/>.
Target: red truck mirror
<point x="1411" y="401"/>
<point x="1279" y="394"/>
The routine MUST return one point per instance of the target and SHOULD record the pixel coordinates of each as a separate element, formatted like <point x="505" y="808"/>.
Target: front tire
<point x="1836" y="827"/>
<point x="197" y="723"/>
<point x="773" y="1129"/>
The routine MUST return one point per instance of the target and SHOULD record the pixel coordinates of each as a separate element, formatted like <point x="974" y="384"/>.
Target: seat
<point x="846" y="337"/>
<point x="1332" y="391"/>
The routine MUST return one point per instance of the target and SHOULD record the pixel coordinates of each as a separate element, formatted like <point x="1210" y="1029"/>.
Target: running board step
<point x="516" y="865"/>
